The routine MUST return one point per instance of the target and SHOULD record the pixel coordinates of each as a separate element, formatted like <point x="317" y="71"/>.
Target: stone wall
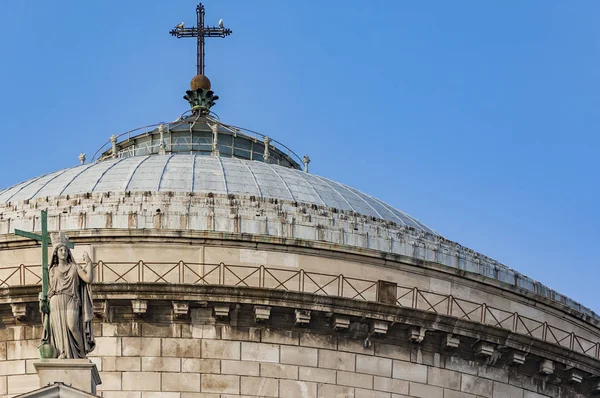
<point x="204" y="357"/>
<point x="140" y="256"/>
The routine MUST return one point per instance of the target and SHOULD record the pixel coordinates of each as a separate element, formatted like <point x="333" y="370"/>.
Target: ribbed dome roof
<point x="203" y="174"/>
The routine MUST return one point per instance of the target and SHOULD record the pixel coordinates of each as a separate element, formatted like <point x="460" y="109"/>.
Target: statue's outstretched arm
<point x="86" y="273"/>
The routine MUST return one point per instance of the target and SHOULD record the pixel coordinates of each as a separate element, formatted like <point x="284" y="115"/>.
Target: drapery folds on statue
<point x="70" y="296"/>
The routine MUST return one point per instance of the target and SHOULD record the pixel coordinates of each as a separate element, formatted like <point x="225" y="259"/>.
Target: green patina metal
<point x="46" y="350"/>
<point x="201" y="100"/>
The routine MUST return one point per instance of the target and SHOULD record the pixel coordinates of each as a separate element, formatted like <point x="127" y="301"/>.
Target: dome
<point x="204" y="174"/>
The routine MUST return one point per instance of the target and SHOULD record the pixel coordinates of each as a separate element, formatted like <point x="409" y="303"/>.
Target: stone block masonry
<point x="261" y="363"/>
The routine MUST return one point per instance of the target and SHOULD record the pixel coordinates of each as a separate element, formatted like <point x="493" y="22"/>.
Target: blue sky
<point x="478" y="118"/>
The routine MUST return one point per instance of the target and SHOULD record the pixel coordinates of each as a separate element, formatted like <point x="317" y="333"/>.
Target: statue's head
<point x="61" y="249"/>
<point x="61" y="252"/>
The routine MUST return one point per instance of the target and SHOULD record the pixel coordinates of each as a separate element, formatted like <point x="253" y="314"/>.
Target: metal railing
<point x="317" y="283"/>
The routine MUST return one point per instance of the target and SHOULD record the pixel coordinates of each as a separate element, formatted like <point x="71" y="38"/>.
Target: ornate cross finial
<point x="200" y="32"/>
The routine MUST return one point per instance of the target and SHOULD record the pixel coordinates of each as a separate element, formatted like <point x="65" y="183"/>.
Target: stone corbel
<point x="546" y="367"/>
<point x="221" y="310"/>
<point x="261" y="313"/>
<point x="341" y="322"/>
<point x="102" y="310"/>
<point x="416" y="334"/>
<point x="180" y="309"/>
<point x="380" y="327"/>
<point x="484" y="349"/>
<point x="20" y="311"/>
<point x="302" y="317"/>
<point x="516" y="358"/>
<point x="451" y="341"/>
<point x="139" y="307"/>
<point x="574" y="376"/>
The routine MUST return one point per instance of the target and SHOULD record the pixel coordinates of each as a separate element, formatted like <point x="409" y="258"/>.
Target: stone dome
<point x="206" y="174"/>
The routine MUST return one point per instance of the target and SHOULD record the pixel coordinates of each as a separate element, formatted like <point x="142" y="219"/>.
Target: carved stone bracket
<point x="139" y="307"/>
<point x="484" y="349"/>
<point x="302" y="317"/>
<point x="380" y="327"/>
<point x="180" y="309"/>
<point x="451" y="341"/>
<point x="20" y="311"/>
<point x="574" y="376"/>
<point x="261" y="313"/>
<point x="516" y="358"/>
<point x="416" y="334"/>
<point x="221" y="310"/>
<point x="341" y="322"/>
<point x="102" y="310"/>
<point x="546" y="367"/>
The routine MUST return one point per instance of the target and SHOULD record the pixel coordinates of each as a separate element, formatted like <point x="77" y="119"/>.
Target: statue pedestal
<point x="78" y="373"/>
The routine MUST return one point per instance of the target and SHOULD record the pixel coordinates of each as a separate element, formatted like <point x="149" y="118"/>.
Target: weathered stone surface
<point x="141" y="346"/>
<point x="337" y="360"/>
<point x="409" y="371"/>
<point x="374" y="365"/>
<point x="224" y="384"/>
<point x="23" y="349"/>
<point x="280" y="337"/>
<point x="361" y="393"/>
<point x="425" y="391"/>
<point x="443" y="378"/>
<point x="196" y="365"/>
<point x="352" y="379"/>
<point x="297" y="389"/>
<point x="14" y="367"/>
<point x="330" y="390"/>
<point x="19" y="384"/>
<point x="141" y="381"/>
<point x="181" y="382"/>
<point x="240" y="368"/>
<point x="279" y="371"/>
<point x="318" y="375"/>
<point x="506" y="390"/>
<point x="318" y="341"/>
<point x="392" y="351"/>
<point x="260" y="352"/>
<point x="390" y="385"/>
<point x="262" y="386"/>
<point x="112" y="364"/>
<point x="457" y="394"/>
<point x="182" y="348"/>
<point x="298" y="355"/>
<point x="476" y="385"/>
<point x="221" y="349"/>
<point x="111" y="381"/>
<point x="161" y="364"/>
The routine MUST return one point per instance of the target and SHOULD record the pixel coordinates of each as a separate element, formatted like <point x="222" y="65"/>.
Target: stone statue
<point x="70" y="296"/>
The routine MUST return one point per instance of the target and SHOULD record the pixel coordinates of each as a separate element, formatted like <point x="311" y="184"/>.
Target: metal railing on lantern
<point x="261" y="276"/>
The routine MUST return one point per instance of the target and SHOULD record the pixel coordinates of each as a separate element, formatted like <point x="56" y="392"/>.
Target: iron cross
<point x="200" y="32"/>
<point x="44" y="237"/>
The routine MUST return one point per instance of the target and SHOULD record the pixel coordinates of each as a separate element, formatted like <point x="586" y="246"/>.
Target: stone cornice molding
<point x="394" y="317"/>
<point x="314" y="248"/>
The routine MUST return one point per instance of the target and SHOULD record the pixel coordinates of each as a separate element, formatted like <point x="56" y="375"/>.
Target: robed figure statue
<point x="70" y="296"/>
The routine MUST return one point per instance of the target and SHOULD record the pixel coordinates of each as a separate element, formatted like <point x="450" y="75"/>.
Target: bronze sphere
<point x="200" y="81"/>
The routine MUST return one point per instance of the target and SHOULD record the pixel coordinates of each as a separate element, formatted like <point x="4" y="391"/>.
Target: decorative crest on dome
<point x="200" y="97"/>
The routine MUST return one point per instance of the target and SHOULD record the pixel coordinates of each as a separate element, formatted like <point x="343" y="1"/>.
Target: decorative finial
<point x="306" y="161"/>
<point x="215" y="140"/>
<point x="200" y="97"/>
<point x="162" y="149"/>
<point x="113" y="140"/>
<point x="82" y="158"/>
<point x="267" y="155"/>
